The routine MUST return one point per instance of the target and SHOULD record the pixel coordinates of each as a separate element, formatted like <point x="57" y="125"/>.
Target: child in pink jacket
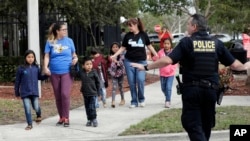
<point x="167" y="73"/>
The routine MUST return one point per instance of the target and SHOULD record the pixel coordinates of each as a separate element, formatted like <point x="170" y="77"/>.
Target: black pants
<point x="90" y="108"/>
<point x="198" y="113"/>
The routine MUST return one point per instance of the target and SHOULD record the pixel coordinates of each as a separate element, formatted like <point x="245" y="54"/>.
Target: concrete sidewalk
<point x="112" y="121"/>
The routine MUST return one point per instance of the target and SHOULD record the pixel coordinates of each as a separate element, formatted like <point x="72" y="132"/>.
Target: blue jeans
<point x="103" y="94"/>
<point x="27" y="103"/>
<point x="136" y="80"/>
<point x="166" y="86"/>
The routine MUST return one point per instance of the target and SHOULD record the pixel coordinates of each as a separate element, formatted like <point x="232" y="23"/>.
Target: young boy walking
<point x="90" y="90"/>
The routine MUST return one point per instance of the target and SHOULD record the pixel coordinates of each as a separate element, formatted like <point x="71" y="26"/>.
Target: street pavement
<point x="112" y="121"/>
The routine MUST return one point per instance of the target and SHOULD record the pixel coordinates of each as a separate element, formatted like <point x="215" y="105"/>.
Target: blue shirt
<point x="60" y="55"/>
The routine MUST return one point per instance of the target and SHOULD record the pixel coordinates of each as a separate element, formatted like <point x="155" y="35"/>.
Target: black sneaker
<point x="89" y="123"/>
<point x="95" y="123"/>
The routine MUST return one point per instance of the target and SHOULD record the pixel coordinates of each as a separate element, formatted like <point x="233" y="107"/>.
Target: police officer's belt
<point x="202" y="83"/>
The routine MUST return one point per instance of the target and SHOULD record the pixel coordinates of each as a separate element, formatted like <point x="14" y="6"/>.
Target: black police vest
<point x="203" y="59"/>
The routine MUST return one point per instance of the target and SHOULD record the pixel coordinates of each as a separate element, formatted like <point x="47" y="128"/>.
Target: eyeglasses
<point x="63" y="29"/>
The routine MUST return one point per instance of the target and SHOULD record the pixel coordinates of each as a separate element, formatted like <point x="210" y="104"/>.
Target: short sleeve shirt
<point x="60" y="55"/>
<point x="135" y="45"/>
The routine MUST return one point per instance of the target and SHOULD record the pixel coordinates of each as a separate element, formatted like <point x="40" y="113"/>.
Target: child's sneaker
<point x="142" y="104"/>
<point x="95" y="123"/>
<point x="122" y="102"/>
<point x="104" y="105"/>
<point x="132" y="106"/>
<point x="89" y="123"/>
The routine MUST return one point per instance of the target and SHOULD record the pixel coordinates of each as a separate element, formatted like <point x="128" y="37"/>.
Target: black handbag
<point x="74" y="70"/>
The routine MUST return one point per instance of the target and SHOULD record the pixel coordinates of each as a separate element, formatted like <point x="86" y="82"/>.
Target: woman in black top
<point x="134" y="43"/>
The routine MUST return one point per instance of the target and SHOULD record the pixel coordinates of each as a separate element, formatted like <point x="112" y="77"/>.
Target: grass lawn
<point x="12" y="111"/>
<point x="169" y="121"/>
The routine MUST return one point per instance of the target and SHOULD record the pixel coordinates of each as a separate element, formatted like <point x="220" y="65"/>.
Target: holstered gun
<point x="179" y="86"/>
<point x="220" y="93"/>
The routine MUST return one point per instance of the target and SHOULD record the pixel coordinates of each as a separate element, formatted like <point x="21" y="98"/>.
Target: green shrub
<point x="8" y="66"/>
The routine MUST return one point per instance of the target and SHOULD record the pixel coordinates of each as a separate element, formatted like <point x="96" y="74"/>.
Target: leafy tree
<point x="149" y="21"/>
<point x="161" y="7"/>
<point x="95" y="13"/>
<point x="230" y="15"/>
<point x="87" y="13"/>
<point x="173" y="22"/>
<point x="14" y="9"/>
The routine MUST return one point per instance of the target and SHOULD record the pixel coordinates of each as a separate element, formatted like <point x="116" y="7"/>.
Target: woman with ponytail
<point x="60" y="54"/>
<point x="135" y="42"/>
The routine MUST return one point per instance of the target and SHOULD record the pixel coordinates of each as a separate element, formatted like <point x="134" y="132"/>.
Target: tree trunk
<point x="92" y="35"/>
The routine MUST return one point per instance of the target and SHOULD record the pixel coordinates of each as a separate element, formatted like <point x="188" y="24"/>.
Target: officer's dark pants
<point x="198" y="113"/>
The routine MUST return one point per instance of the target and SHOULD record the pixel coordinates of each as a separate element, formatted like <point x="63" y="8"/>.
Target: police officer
<point x="198" y="56"/>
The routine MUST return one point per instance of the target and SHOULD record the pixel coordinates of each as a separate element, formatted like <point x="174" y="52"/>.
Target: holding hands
<point x="138" y="66"/>
<point x="46" y="71"/>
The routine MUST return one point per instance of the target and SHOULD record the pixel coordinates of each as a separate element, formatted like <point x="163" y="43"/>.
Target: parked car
<point x="222" y="36"/>
<point x="177" y="37"/>
<point x="153" y="37"/>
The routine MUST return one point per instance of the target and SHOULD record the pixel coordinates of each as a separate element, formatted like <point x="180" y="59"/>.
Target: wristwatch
<point x="146" y="67"/>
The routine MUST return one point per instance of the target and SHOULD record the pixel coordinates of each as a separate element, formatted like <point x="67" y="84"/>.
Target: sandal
<point x="29" y="127"/>
<point x="38" y="119"/>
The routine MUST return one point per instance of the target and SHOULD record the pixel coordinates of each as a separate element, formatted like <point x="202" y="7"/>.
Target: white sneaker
<point x="142" y="104"/>
<point x="167" y="104"/>
<point x="132" y="106"/>
<point x="104" y="105"/>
